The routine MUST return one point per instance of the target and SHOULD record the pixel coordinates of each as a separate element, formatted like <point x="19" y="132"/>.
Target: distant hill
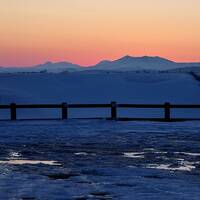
<point x="126" y="63"/>
<point x="56" y="67"/>
<point x="59" y="67"/>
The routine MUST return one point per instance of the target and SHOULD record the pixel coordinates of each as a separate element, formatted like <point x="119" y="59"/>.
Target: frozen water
<point x="30" y="162"/>
<point x="97" y="159"/>
<point x="134" y="154"/>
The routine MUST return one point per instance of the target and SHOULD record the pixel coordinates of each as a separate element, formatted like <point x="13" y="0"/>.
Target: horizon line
<point x="100" y="60"/>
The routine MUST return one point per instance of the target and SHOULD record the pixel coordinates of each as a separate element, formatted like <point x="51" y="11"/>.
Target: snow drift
<point x="101" y="87"/>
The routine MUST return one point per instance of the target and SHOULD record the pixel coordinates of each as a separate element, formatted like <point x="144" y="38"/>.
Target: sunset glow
<point x="87" y="31"/>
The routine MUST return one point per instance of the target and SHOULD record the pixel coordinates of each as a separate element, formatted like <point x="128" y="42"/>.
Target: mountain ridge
<point x="125" y="63"/>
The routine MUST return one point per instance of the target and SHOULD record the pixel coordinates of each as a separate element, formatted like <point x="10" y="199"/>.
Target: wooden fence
<point x="113" y="106"/>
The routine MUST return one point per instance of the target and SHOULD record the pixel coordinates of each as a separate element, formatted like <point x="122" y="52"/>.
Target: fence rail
<point x="113" y="106"/>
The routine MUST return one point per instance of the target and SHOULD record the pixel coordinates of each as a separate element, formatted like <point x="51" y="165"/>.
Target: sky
<point x="87" y="31"/>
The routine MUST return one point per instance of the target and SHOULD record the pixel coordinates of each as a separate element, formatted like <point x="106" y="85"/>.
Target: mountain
<point x="126" y="63"/>
<point x="56" y="67"/>
<point x="129" y="63"/>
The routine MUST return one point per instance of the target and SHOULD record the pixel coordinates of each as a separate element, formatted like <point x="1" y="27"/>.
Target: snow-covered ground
<point x="97" y="159"/>
<point x="100" y="87"/>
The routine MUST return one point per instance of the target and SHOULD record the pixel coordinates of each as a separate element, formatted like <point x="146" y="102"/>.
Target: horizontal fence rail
<point x="113" y="106"/>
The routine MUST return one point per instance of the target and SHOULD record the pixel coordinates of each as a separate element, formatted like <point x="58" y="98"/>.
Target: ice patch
<point x="84" y="154"/>
<point x="149" y="149"/>
<point x="134" y="154"/>
<point x="180" y="159"/>
<point x="81" y="154"/>
<point x="14" y="155"/>
<point x="160" y="152"/>
<point x="186" y="167"/>
<point x="30" y="162"/>
<point x="162" y="157"/>
<point x="155" y="151"/>
<point x="188" y="154"/>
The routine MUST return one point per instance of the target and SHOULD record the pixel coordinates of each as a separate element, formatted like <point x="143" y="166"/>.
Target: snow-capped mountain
<point x="126" y="63"/>
<point x="55" y="67"/>
<point x="59" y="67"/>
<point x="129" y="63"/>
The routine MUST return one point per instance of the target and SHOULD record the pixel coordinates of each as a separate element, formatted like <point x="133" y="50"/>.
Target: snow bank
<point x="100" y="87"/>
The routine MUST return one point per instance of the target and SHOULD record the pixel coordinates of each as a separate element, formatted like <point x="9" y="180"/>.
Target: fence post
<point x="113" y="110"/>
<point x="64" y="111"/>
<point x="13" y="111"/>
<point x="167" y="112"/>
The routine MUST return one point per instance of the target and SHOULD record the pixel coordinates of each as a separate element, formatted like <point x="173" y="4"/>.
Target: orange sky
<point x="86" y="31"/>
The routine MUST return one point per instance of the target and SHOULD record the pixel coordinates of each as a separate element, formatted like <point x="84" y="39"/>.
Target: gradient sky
<point x="86" y="31"/>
